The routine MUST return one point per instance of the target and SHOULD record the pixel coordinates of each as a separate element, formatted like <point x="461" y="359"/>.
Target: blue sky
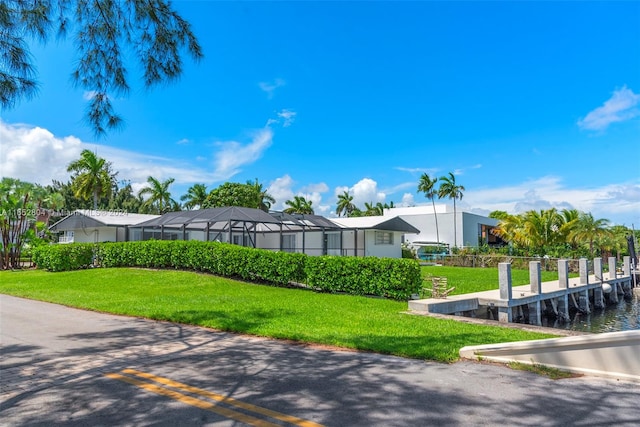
<point x="530" y="104"/>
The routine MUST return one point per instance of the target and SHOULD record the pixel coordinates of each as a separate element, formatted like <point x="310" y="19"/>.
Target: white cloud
<point x="34" y="154"/>
<point x="315" y="188"/>
<point x="366" y="191"/>
<point x="183" y="141"/>
<point x="399" y="187"/>
<point x="233" y="155"/>
<point x="429" y="171"/>
<point x="407" y="200"/>
<point x="620" y="107"/>
<point x="270" y="87"/>
<point x="616" y="202"/>
<point x="287" y="117"/>
<point x="281" y="190"/>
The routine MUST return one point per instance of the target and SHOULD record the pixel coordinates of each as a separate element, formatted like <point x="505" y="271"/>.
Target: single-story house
<point x="309" y="234"/>
<point x="92" y="226"/>
<point x="379" y="236"/>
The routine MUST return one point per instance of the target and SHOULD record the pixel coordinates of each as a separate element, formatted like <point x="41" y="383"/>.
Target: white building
<point x="471" y="230"/>
<point x="93" y="226"/>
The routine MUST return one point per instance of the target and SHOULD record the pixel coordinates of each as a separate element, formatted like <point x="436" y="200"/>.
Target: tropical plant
<point x="20" y="205"/>
<point x="92" y="177"/>
<point x="104" y="32"/>
<point x="263" y="200"/>
<point x="449" y="188"/>
<point x="570" y="219"/>
<point x="232" y="194"/>
<point x="124" y="199"/>
<point x="427" y="186"/>
<point x="590" y="229"/>
<point x="158" y="197"/>
<point x="345" y="204"/>
<point x="542" y="229"/>
<point x="299" y="205"/>
<point x="195" y="197"/>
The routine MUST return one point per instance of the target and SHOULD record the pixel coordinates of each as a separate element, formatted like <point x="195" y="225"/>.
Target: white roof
<point x="426" y="209"/>
<point x="360" y="221"/>
<point x="115" y="217"/>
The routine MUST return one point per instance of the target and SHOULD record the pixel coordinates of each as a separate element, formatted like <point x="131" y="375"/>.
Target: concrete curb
<point x="611" y="355"/>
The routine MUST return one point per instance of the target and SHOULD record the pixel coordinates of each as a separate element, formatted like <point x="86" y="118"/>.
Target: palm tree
<point x="427" y="186"/>
<point x="264" y="200"/>
<point x="449" y="188"/>
<point x="159" y="199"/>
<point x="93" y="177"/>
<point x="569" y="221"/>
<point x="590" y="229"/>
<point x="511" y="229"/>
<point x="345" y="204"/>
<point x="195" y="197"/>
<point x="299" y="205"/>
<point x="542" y="229"/>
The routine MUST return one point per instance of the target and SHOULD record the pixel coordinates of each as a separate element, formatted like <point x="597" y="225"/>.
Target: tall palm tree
<point x="159" y="197"/>
<point x="195" y="197"/>
<point x="590" y="229"/>
<point x="299" y="205"/>
<point x="345" y="204"/>
<point x="427" y="186"/>
<point x="264" y="200"/>
<point x="449" y="188"/>
<point x="93" y="177"/>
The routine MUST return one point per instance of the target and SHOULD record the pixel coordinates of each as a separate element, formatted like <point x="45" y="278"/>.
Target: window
<point x="384" y="238"/>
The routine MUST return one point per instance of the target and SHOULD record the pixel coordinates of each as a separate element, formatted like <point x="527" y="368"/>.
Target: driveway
<point x="62" y="366"/>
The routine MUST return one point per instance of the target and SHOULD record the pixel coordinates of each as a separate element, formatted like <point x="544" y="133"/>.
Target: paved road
<point x="62" y="366"/>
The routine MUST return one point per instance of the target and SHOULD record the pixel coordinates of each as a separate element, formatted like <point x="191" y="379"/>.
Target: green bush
<point x="393" y="278"/>
<point x="64" y="257"/>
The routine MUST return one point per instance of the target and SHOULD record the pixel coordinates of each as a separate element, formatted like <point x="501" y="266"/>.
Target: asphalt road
<point x="61" y="366"/>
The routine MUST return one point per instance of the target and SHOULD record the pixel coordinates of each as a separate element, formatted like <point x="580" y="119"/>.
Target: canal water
<point x="623" y="316"/>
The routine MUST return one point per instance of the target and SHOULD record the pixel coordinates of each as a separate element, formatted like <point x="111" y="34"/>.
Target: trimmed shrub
<point x="58" y="257"/>
<point x="391" y="278"/>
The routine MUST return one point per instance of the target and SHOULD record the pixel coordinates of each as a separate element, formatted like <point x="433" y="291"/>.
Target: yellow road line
<point x="224" y="399"/>
<point x="202" y="404"/>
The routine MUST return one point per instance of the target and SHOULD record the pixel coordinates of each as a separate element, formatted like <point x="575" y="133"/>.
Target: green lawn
<point x="371" y="324"/>
<point x="468" y="279"/>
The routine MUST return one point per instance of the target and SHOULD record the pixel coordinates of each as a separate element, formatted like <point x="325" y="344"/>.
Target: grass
<point x="468" y="279"/>
<point x="546" y="371"/>
<point x="370" y="324"/>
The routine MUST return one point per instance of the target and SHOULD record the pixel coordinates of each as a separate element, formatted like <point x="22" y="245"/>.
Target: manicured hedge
<point x="64" y="257"/>
<point x="392" y="278"/>
<point x="279" y="268"/>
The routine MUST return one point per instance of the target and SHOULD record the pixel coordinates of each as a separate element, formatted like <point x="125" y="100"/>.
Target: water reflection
<point x="623" y="316"/>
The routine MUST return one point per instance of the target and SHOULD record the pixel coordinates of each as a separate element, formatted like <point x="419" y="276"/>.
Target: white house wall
<point x="382" y="251"/>
<point x="94" y="235"/>
<point x="467" y="228"/>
